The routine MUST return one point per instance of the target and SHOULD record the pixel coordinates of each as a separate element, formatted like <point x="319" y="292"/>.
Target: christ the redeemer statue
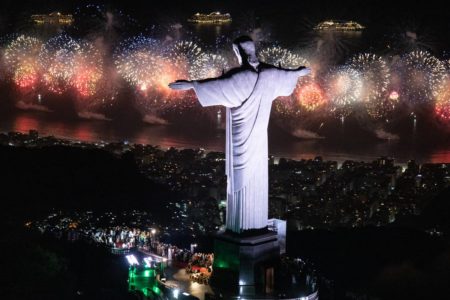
<point x="247" y="93"/>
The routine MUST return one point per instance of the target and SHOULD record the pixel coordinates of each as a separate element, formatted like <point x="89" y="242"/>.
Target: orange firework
<point x="138" y="62"/>
<point x="26" y="76"/>
<point x="87" y="69"/>
<point x="57" y="62"/>
<point x="21" y="59"/>
<point x="442" y="106"/>
<point x="310" y="96"/>
<point x="85" y="81"/>
<point x="169" y="73"/>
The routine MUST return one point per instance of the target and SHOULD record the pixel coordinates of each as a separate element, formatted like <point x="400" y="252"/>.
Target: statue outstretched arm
<point x="210" y="91"/>
<point x="303" y="71"/>
<point x="286" y="79"/>
<point x="181" y="85"/>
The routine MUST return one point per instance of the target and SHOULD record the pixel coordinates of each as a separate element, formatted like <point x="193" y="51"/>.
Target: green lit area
<point x="226" y="256"/>
<point x="143" y="280"/>
<point x="146" y="280"/>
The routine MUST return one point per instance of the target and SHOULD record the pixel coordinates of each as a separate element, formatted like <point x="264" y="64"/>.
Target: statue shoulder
<point x="266" y="67"/>
<point x="239" y="72"/>
<point x="232" y="72"/>
<point x="268" y="70"/>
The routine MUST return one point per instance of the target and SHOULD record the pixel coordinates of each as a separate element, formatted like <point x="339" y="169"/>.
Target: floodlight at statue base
<point x="244" y="265"/>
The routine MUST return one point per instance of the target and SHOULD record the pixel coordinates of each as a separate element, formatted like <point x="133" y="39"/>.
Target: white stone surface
<point x="247" y="93"/>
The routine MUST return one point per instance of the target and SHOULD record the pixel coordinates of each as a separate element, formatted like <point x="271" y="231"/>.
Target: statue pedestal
<point x="251" y="267"/>
<point x="243" y="266"/>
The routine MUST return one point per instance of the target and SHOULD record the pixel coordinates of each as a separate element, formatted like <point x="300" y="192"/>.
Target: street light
<point x="148" y="261"/>
<point x="176" y="292"/>
<point x="132" y="260"/>
<point x="152" y="236"/>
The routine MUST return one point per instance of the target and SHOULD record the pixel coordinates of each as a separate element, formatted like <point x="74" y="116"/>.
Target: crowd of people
<point x="123" y="237"/>
<point x="200" y="267"/>
<point x="119" y="237"/>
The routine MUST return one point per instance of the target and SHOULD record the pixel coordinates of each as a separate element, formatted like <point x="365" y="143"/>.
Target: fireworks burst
<point x="138" y="62"/>
<point x="422" y="75"/>
<point x="344" y="87"/>
<point x="285" y="58"/>
<point x="150" y="67"/>
<point x="88" y="71"/>
<point x="375" y="75"/>
<point x="189" y="58"/>
<point x="394" y="96"/>
<point x="22" y="60"/>
<point x="310" y="95"/>
<point x="213" y="65"/>
<point x="442" y="106"/>
<point x="57" y="62"/>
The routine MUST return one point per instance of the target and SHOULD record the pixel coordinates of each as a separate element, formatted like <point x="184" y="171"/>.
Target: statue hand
<point x="303" y="71"/>
<point x="181" y="85"/>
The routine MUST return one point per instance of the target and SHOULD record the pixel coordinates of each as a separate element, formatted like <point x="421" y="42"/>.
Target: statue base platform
<point x="242" y="264"/>
<point x="251" y="267"/>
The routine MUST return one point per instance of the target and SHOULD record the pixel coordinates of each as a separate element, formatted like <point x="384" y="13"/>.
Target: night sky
<point x="290" y="23"/>
<point x="423" y="16"/>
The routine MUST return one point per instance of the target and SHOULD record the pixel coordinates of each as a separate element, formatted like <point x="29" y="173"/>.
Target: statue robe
<point x="247" y="95"/>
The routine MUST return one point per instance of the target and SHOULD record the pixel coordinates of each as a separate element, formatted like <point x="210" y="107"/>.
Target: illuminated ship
<point x="54" y="18"/>
<point x="212" y="18"/>
<point x="339" y="26"/>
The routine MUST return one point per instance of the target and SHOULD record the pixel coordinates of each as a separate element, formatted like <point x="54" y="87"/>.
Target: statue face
<point x="249" y="48"/>
<point x="246" y="53"/>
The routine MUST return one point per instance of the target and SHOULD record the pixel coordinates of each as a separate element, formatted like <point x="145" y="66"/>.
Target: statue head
<point x="244" y="48"/>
